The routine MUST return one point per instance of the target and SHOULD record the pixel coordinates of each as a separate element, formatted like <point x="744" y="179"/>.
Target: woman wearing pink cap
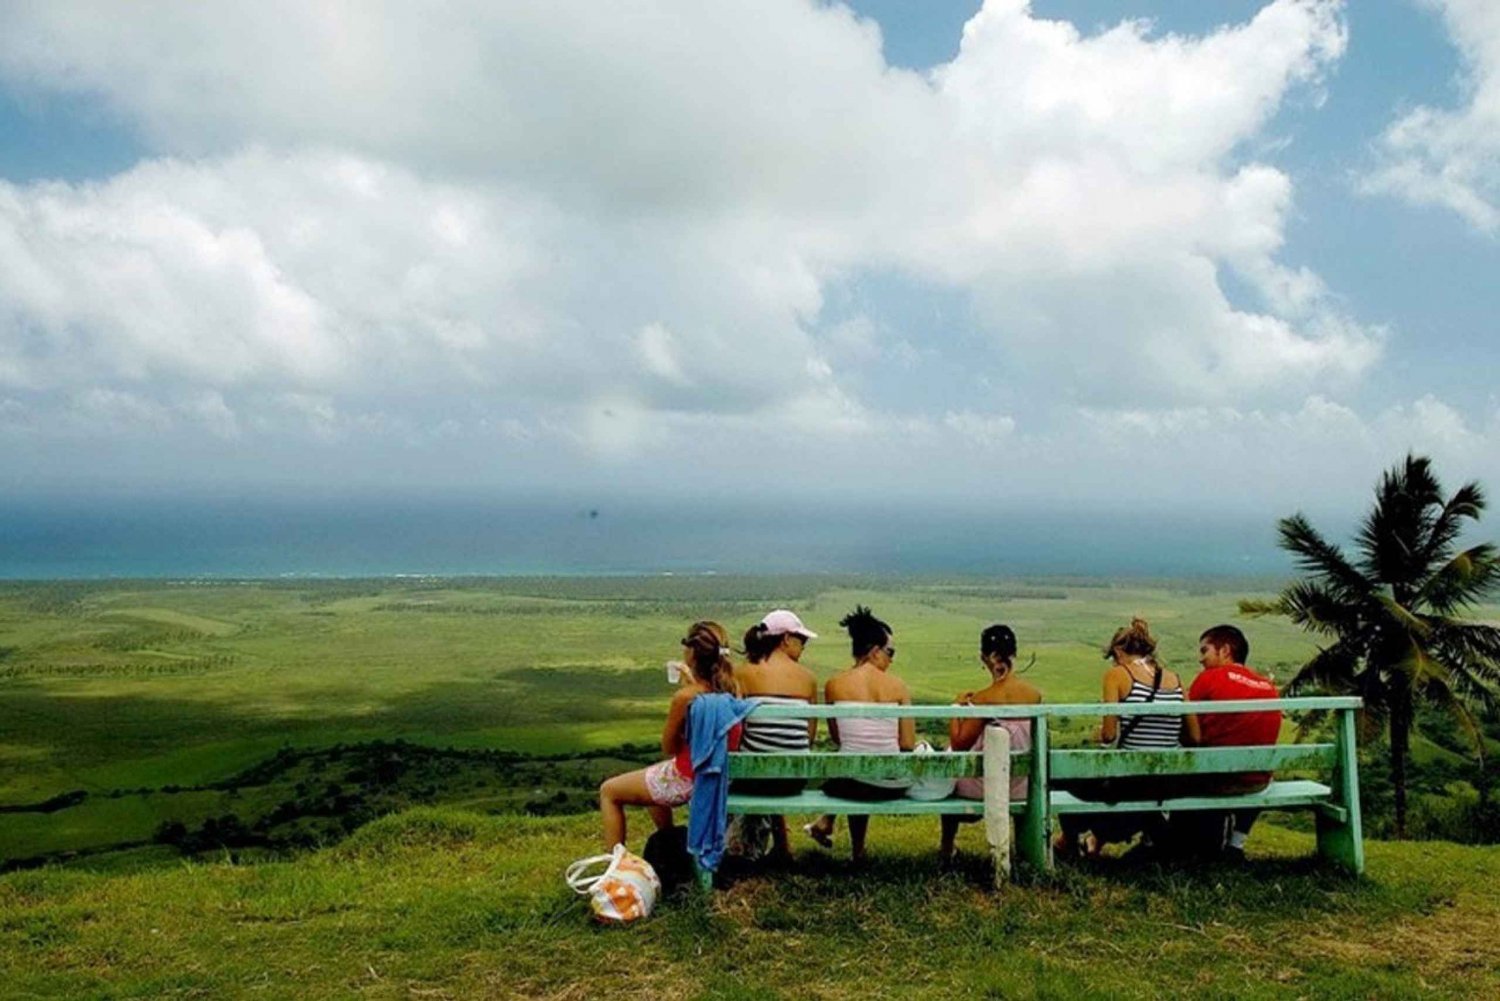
<point x="774" y="674"/>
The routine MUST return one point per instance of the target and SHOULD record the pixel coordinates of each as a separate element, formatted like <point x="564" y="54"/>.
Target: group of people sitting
<point x="771" y="672"/>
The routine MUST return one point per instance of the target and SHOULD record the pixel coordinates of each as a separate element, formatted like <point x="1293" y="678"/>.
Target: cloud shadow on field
<point x="65" y="733"/>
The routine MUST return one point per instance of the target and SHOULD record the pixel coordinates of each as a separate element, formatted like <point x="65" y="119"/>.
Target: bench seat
<point x="1287" y="795"/>
<point x="813" y="802"/>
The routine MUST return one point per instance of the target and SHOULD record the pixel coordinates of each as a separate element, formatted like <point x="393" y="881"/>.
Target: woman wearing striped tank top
<point x="774" y="675"/>
<point x="1134" y="676"/>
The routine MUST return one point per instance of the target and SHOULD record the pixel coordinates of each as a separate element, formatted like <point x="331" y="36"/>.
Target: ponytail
<point x="709" y="644"/>
<point x="759" y="643"/>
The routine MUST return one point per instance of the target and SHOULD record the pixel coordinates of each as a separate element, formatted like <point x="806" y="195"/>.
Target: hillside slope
<point x="442" y="904"/>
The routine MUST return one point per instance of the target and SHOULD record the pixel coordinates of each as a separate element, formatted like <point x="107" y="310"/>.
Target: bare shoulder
<point x="835" y="686"/>
<point x="894" y="687"/>
<point x="1026" y="691"/>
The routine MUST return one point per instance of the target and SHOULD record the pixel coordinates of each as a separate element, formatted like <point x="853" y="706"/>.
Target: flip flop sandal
<point x="817" y="834"/>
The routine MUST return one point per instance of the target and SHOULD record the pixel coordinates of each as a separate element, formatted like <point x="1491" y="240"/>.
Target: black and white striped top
<point x="1150" y="731"/>
<point x="775" y="736"/>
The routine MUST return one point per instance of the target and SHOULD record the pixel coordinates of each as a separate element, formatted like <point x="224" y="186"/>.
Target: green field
<point x="320" y="789"/>
<point x="159" y="701"/>
<point x="452" y="905"/>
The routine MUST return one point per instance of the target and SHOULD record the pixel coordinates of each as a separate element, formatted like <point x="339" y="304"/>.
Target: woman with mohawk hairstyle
<point x="868" y="682"/>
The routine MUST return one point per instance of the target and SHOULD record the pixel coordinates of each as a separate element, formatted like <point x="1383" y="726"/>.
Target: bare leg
<point x="947" y="846"/>
<point x="627" y="790"/>
<point x="661" y="816"/>
<point x="858" y="825"/>
<point x="781" y="846"/>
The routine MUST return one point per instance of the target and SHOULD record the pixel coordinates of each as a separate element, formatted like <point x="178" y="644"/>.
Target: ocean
<point x="244" y="538"/>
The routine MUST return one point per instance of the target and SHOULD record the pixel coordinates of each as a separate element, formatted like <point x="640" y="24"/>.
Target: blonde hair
<point x="1134" y="639"/>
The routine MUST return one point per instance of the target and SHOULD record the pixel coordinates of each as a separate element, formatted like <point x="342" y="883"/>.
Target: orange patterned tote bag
<point x="626" y="891"/>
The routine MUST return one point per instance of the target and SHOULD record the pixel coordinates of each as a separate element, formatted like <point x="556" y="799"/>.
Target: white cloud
<point x="1451" y="157"/>
<point x="614" y="227"/>
<point x="982" y="429"/>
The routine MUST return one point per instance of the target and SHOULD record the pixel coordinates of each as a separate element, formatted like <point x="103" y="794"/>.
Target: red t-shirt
<point x="1231" y="683"/>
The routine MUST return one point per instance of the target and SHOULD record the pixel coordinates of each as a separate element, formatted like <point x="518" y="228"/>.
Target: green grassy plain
<point x="447" y="904"/>
<point x="144" y="695"/>
<point x="375" y="746"/>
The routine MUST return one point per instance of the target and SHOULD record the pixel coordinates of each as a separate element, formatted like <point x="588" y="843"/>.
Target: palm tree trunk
<point x="1400" y="745"/>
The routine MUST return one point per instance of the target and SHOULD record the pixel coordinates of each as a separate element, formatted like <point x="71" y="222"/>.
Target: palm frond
<point x="1333" y="670"/>
<point x="1464" y="580"/>
<point x="1318" y="608"/>
<point x="1445" y="697"/>
<point x="1393" y="538"/>
<point x="1255" y="608"/>
<point x="1316" y="555"/>
<point x="1466" y="504"/>
<point x="1471" y="686"/>
<point x="1470" y="641"/>
<point x="1413" y="624"/>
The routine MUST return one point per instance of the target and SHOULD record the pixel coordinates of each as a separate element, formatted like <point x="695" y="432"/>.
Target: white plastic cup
<point x="676" y="670"/>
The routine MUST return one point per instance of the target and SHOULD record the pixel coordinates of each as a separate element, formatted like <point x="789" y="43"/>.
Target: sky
<point x="1105" y="254"/>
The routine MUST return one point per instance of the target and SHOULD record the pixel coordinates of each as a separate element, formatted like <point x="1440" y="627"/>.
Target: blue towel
<point x="710" y="718"/>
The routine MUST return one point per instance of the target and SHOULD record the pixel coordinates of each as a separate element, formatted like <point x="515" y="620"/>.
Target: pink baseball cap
<point x="780" y="622"/>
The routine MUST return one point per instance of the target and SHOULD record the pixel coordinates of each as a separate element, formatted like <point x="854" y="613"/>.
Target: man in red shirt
<point x="1223" y="651"/>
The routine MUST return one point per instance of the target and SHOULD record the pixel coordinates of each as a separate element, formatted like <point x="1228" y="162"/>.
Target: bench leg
<point x="997" y="799"/>
<point x="1034" y="831"/>
<point x="1339" y="842"/>
<point x="1342" y="841"/>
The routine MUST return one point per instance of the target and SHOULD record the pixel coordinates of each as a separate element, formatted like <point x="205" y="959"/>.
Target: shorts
<point x="666" y="784"/>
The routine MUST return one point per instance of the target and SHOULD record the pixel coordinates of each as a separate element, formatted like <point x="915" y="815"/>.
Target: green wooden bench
<point x="1334" y="801"/>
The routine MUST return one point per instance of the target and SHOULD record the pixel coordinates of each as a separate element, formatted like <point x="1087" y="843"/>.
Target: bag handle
<point x="583" y="884"/>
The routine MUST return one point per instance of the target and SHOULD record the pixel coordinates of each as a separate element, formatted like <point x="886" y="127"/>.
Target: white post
<point x="997" y="798"/>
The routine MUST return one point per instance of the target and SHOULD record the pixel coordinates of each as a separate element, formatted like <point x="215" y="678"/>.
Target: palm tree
<point x="1393" y="614"/>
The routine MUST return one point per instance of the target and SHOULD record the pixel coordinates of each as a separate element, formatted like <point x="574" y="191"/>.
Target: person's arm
<point x="959" y="737"/>
<point x="1192" y="734"/>
<point x="906" y="730"/>
<point x="671" y="732"/>
<point x="1192" y="731"/>
<point x="833" y="724"/>
<point x="964" y="733"/>
<point x="1114" y="691"/>
<point x="812" y="698"/>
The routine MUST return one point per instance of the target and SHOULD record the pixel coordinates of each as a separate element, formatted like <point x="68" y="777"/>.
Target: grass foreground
<point x="439" y="903"/>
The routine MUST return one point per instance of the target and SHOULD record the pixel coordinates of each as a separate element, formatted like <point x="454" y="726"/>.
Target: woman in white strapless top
<point x="867" y="682"/>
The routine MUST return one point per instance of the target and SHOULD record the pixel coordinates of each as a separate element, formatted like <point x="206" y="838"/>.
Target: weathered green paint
<point x="1034" y="830"/>
<point x="1055" y="710"/>
<point x="1336" y="806"/>
<point x="820" y="764"/>
<point x="1293" y="794"/>
<point x="1191" y="761"/>
<point x="1341" y="839"/>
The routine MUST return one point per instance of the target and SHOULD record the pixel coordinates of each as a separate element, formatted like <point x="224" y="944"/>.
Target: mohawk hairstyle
<point x="866" y="632"/>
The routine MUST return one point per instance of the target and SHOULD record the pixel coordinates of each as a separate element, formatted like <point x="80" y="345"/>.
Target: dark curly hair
<point x="759" y="644"/>
<point x="866" y="632"/>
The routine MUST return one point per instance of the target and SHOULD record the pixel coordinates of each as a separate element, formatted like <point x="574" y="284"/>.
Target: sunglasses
<point x="890" y="651"/>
